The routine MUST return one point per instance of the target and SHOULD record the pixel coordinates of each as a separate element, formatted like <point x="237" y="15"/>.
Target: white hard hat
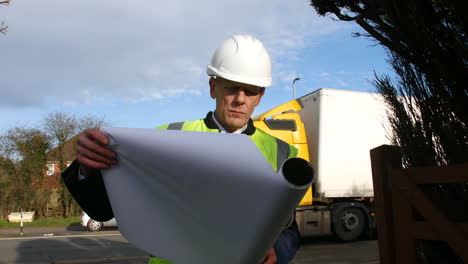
<point x="241" y="58"/>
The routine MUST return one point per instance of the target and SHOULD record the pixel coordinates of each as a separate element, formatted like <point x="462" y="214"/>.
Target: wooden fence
<point x="397" y="195"/>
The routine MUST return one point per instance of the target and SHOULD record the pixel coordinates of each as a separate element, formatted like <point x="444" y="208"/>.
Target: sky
<point x="141" y="63"/>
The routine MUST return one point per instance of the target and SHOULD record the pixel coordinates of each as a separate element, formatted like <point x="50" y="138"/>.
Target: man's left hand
<point x="270" y="257"/>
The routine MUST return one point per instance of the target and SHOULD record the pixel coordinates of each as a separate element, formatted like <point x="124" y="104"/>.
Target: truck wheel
<point x="350" y="224"/>
<point x="94" y="225"/>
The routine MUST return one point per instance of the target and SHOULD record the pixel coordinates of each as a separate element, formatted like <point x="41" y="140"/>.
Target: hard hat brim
<point x="261" y="82"/>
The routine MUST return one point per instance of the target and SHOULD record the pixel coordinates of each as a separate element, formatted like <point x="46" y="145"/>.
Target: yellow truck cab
<point x="334" y="130"/>
<point x="284" y="123"/>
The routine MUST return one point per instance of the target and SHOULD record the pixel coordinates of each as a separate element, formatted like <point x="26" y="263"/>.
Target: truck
<point x="334" y="130"/>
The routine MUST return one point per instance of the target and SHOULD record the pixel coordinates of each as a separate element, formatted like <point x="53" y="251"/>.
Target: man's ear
<point x="212" y="83"/>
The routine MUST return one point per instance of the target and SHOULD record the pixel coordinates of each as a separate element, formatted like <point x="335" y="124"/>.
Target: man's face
<point x="235" y="102"/>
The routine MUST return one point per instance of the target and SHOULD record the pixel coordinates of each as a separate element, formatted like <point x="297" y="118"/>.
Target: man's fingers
<point x="96" y="148"/>
<point x="90" y="163"/>
<point x="95" y="141"/>
<point x="92" y="150"/>
<point x="96" y="135"/>
<point x="84" y="154"/>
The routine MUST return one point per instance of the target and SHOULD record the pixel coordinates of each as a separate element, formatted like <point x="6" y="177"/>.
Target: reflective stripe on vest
<point x="175" y="126"/>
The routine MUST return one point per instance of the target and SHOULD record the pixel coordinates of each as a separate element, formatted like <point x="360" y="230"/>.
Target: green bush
<point x="44" y="222"/>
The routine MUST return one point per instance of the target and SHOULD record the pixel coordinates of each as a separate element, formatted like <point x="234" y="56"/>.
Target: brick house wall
<point x="52" y="174"/>
<point x="52" y="171"/>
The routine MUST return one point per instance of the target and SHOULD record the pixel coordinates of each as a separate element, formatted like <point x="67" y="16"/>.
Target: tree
<point x="3" y="28"/>
<point x="424" y="127"/>
<point x="427" y="46"/>
<point x="61" y="128"/>
<point x="7" y="169"/>
<point x="22" y="165"/>
<point x="24" y="153"/>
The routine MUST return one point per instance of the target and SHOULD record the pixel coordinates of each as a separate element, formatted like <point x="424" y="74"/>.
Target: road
<point x="111" y="247"/>
<point x="90" y="248"/>
<point x="330" y="251"/>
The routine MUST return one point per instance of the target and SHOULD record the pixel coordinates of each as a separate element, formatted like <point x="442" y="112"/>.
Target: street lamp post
<point x="294" y="87"/>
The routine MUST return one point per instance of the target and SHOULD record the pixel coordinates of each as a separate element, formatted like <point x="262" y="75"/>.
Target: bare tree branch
<point x="62" y="127"/>
<point x="3" y="28"/>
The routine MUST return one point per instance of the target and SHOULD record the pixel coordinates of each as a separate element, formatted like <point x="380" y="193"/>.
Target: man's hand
<point x="270" y="257"/>
<point x="92" y="152"/>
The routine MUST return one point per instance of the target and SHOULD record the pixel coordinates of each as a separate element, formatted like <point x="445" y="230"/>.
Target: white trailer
<point x="340" y="129"/>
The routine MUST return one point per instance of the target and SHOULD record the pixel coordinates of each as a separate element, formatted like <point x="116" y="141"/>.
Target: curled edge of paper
<point x="298" y="173"/>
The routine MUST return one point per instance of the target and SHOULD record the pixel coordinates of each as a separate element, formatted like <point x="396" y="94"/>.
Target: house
<point x="52" y="173"/>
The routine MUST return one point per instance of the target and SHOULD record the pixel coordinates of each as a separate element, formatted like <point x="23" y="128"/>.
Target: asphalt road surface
<point x="111" y="247"/>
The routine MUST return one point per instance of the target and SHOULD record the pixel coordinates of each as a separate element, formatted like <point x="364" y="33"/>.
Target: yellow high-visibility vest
<point x="273" y="149"/>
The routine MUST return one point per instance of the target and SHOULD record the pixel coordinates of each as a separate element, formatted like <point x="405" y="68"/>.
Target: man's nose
<point x="240" y="96"/>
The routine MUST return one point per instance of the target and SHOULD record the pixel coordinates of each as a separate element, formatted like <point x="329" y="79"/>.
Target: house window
<point x="50" y="169"/>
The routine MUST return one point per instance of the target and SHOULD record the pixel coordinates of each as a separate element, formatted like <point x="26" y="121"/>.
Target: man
<point x="240" y="69"/>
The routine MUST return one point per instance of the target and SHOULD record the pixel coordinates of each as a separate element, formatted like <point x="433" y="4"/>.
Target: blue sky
<point x="141" y="63"/>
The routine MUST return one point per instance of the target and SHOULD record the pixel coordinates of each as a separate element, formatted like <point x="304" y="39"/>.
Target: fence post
<point x="21" y="222"/>
<point x="383" y="160"/>
<point x="403" y="219"/>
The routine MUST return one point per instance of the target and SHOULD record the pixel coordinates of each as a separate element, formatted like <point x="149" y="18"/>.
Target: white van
<point x="94" y="225"/>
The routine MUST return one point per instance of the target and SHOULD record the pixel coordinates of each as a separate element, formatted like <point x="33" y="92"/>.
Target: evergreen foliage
<point x="427" y="46"/>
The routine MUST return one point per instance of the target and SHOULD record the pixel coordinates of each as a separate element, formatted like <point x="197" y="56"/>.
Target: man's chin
<point x="237" y="123"/>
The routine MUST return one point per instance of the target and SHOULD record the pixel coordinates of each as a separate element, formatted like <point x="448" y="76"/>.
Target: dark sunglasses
<point x="248" y="91"/>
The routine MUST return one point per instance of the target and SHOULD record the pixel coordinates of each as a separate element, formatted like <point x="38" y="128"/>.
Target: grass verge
<point x="46" y="222"/>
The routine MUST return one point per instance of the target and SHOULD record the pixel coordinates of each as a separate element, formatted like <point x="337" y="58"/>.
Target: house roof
<point x="69" y="150"/>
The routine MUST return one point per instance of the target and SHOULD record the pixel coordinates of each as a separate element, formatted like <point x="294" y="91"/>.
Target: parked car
<point x="94" y="225"/>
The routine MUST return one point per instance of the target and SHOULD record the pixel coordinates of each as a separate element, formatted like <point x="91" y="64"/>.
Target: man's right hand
<point x="92" y="152"/>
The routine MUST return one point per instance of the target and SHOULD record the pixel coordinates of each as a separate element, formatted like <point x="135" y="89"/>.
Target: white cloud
<point x="287" y="76"/>
<point x="324" y="74"/>
<point x="86" y="51"/>
<point x="343" y="72"/>
<point x="342" y="83"/>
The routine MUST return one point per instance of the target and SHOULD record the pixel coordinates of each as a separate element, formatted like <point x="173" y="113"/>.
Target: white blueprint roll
<point x="200" y="197"/>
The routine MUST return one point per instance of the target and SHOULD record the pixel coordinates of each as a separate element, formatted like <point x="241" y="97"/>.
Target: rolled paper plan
<point x="200" y="197"/>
